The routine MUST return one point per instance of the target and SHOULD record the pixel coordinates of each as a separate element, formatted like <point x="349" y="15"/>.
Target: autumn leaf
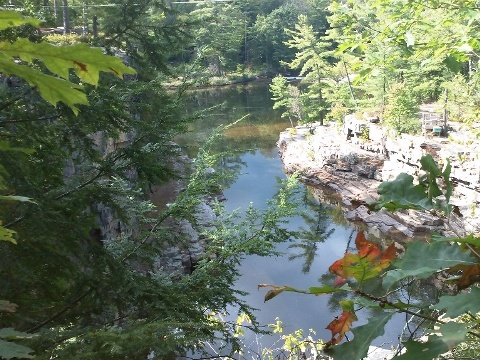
<point x="470" y="275"/>
<point x="343" y="266"/>
<point x="273" y="292"/>
<point x="340" y="326"/>
<point x="339" y="281"/>
<point x="388" y="255"/>
<point x="369" y="262"/>
<point x="366" y="248"/>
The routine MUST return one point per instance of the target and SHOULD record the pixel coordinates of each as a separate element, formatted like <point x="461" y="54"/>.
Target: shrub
<point x="401" y="110"/>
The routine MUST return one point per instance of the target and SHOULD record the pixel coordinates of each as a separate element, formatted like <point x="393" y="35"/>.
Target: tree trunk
<point x="66" y="17"/>
<point x="55" y="15"/>
<point x="445" y="115"/>
<point x="350" y="84"/>
<point x="95" y="26"/>
<point x="320" y="96"/>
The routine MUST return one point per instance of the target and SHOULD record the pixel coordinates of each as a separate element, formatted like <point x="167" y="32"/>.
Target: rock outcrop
<point x="352" y="166"/>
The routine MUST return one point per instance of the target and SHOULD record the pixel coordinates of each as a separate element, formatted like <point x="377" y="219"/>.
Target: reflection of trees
<point x="338" y="216"/>
<point x="259" y="130"/>
<point x="328" y="279"/>
<point x="318" y="222"/>
<point x="334" y="298"/>
<point x="230" y="167"/>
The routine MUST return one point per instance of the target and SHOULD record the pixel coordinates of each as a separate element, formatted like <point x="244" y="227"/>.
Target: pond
<point x="304" y="262"/>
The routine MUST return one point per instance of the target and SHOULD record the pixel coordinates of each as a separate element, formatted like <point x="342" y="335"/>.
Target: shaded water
<point x="326" y="233"/>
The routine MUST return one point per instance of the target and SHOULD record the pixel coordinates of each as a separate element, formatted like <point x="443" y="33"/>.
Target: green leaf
<point x="362" y="75"/>
<point x="344" y="46"/>
<point x="357" y="349"/>
<point x="378" y="305"/>
<point x="86" y="61"/>
<point x="459" y="304"/>
<point x="52" y="89"/>
<point x="10" y="350"/>
<point x="427" y="350"/>
<point x="470" y="239"/>
<point x="401" y="193"/>
<point x="454" y="333"/>
<point x="422" y="260"/>
<point x="452" y="63"/>
<point x="5" y="146"/>
<point x="430" y="166"/>
<point x="347" y="305"/>
<point x="10" y="333"/>
<point x="448" y="183"/>
<point x="327" y="289"/>
<point x="7" y="234"/>
<point x="16" y="198"/>
<point x="395" y="275"/>
<point x="12" y="18"/>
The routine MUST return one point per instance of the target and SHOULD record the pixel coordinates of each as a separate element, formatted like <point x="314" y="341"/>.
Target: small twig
<point x="422" y="316"/>
<point x="389" y="303"/>
<point x="62" y="311"/>
<point x="147" y="237"/>
<point x="43" y="118"/>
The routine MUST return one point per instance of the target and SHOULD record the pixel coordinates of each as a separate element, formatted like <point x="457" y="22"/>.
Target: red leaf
<point x="340" y="326"/>
<point x="339" y="281"/>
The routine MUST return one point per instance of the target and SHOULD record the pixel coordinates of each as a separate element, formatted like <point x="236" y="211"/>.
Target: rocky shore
<point x="349" y="171"/>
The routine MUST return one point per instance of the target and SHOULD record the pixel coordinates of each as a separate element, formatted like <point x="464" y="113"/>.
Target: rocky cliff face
<point x="186" y="247"/>
<point x="353" y="167"/>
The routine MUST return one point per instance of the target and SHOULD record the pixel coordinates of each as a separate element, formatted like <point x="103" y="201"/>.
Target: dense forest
<point x="92" y="97"/>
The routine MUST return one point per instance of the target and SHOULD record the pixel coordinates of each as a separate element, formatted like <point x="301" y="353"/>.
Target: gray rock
<point x="354" y="168"/>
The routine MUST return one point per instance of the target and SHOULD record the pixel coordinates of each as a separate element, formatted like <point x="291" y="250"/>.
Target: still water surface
<point x="305" y="262"/>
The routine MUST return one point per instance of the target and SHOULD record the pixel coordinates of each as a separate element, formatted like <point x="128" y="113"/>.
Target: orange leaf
<point x="368" y="263"/>
<point x="340" y="326"/>
<point x="387" y="256"/>
<point x="366" y="248"/>
<point x="341" y="266"/>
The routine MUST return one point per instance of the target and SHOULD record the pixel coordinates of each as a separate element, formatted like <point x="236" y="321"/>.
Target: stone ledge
<point x="353" y="169"/>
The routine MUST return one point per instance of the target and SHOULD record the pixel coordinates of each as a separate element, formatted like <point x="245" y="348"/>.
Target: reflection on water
<point x="318" y="229"/>
<point x="258" y="130"/>
<point x="325" y="236"/>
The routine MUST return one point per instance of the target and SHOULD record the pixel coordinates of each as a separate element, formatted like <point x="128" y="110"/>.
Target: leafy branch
<point x="452" y="256"/>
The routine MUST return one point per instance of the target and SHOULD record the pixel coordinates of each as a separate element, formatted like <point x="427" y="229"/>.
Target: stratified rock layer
<point x="353" y="168"/>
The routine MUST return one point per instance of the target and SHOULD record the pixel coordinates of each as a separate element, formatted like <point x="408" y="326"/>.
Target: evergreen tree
<point x="311" y="58"/>
<point x="76" y="289"/>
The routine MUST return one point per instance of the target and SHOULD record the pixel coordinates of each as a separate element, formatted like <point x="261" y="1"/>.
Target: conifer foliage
<point x="81" y="143"/>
